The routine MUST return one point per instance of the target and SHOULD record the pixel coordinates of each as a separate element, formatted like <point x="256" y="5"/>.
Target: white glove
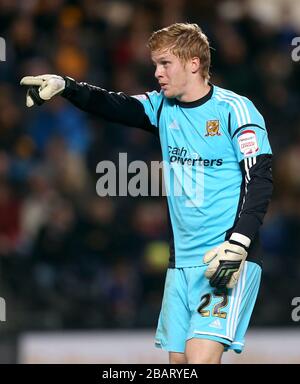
<point x="42" y="88"/>
<point x="226" y="262"/>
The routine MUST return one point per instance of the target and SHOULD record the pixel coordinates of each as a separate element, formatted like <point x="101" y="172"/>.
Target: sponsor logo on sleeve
<point x="248" y="142"/>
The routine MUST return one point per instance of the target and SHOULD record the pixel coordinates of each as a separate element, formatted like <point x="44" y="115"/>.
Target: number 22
<point x="216" y="308"/>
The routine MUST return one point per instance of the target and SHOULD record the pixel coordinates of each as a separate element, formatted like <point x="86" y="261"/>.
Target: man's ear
<point x="195" y="64"/>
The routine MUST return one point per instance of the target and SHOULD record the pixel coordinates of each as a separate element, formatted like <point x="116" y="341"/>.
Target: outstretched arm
<point x="112" y="106"/>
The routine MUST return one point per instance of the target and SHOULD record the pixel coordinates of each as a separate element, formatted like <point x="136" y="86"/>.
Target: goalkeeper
<point x="218" y="140"/>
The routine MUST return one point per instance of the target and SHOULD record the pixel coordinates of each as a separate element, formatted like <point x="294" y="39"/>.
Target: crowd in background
<point x="70" y="259"/>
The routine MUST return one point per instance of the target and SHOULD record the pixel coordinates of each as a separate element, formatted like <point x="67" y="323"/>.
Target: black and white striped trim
<point x="248" y="163"/>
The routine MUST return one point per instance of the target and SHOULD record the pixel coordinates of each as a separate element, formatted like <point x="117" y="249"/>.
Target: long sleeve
<point x="258" y="187"/>
<point x="111" y="106"/>
<point x="250" y="141"/>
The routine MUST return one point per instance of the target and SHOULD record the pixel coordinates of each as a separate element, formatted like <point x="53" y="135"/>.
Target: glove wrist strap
<point x="239" y="239"/>
<point x="70" y="86"/>
<point x="239" y="244"/>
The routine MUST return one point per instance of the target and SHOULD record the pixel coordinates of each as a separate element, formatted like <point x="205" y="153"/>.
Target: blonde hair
<point x="185" y="41"/>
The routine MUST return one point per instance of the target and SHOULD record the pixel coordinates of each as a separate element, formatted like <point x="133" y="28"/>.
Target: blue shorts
<point x="191" y="308"/>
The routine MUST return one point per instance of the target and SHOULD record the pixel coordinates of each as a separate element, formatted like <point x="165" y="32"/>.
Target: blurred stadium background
<point x="83" y="273"/>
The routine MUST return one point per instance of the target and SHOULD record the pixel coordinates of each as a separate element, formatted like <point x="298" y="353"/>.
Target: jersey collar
<point x="196" y="103"/>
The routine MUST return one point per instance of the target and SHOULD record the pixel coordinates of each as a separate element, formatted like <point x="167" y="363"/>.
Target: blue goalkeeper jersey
<point x="212" y="150"/>
<point x="217" y="162"/>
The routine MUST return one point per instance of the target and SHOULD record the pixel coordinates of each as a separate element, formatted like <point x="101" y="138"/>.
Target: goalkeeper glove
<point x="226" y="262"/>
<point x="42" y="88"/>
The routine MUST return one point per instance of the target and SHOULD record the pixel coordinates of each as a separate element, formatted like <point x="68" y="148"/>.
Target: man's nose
<point x="158" y="72"/>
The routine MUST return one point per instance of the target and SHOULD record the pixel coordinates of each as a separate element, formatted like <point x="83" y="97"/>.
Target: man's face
<point x="173" y="77"/>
